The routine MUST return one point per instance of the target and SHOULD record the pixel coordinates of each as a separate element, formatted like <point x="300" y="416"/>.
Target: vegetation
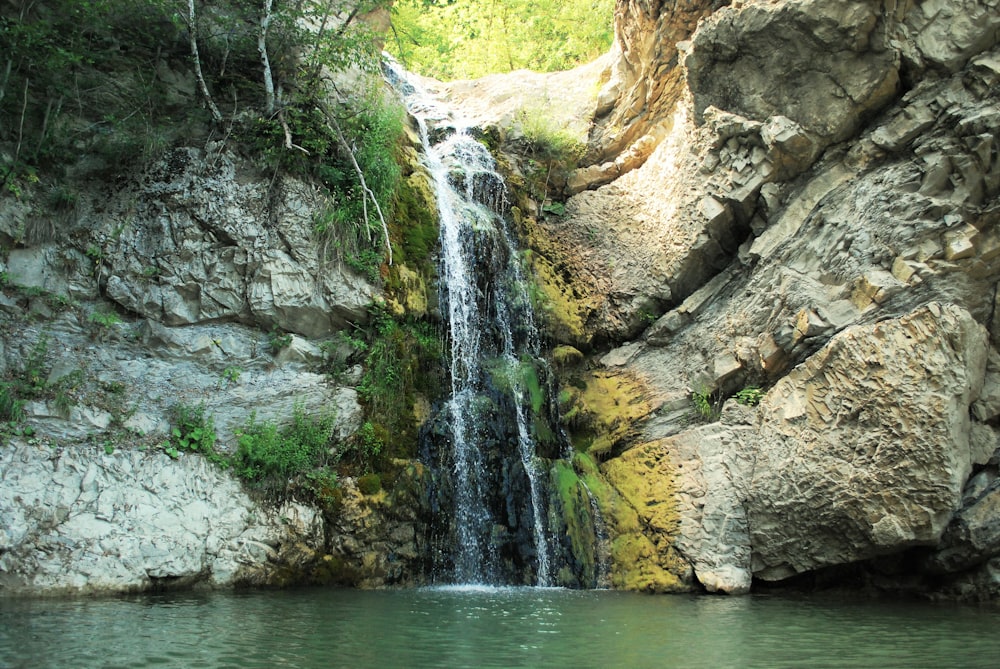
<point x="402" y="360"/>
<point x="750" y="396"/>
<point x="100" y="86"/>
<point x="707" y="404"/>
<point x="451" y="39"/>
<point x="268" y="456"/>
<point x="193" y="430"/>
<point x="30" y="382"/>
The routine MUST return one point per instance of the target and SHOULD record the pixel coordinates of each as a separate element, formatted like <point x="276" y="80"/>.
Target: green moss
<point x="369" y="484"/>
<point x="566" y="356"/>
<point x="640" y="506"/>
<point x="602" y="415"/>
<point x="579" y="523"/>
<point x="403" y="372"/>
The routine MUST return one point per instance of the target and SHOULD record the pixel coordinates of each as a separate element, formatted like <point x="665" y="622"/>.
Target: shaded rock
<point x="973" y="536"/>
<point x="849" y="463"/>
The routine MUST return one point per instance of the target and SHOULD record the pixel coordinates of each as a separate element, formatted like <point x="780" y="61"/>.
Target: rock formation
<point x="817" y="220"/>
<point x="772" y="283"/>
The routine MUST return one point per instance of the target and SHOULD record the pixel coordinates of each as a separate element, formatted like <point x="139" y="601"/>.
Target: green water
<point x="491" y="628"/>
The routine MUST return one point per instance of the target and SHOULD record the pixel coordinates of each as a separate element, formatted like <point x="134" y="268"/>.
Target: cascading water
<point x="497" y="532"/>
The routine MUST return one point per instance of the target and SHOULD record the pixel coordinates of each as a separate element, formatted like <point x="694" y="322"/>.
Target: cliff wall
<point x="809" y="252"/>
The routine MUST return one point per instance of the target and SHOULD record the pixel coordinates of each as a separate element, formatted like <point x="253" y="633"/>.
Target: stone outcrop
<point x="131" y="521"/>
<point x="159" y="296"/>
<point x="200" y="241"/>
<point x="76" y="522"/>
<point x="818" y="221"/>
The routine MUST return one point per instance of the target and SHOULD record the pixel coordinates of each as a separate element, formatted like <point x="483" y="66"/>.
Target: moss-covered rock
<point x="601" y="412"/>
<point x="645" y="521"/>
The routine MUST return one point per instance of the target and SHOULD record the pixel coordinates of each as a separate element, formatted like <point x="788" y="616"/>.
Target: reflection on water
<point x="490" y="627"/>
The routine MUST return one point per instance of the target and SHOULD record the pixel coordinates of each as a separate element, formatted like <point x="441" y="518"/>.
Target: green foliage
<point x="268" y="456"/>
<point x="402" y="358"/>
<point x="105" y="319"/>
<point x="349" y="228"/>
<point x="278" y="341"/>
<point x="11" y="407"/>
<point x="554" y="208"/>
<point x="415" y="225"/>
<point x="32" y="377"/>
<point x="750" y="396"/>
<point x="706" y="404"/>
<point x="31" y="382"/>
<point x="68" y="82"/>
<point x="365" y="447"/>
<point x="322" y="485"/>
<point x="396" y="353"/>
<point x="462" y="40"/>
<point x="231" y="374"/>
<point x="193" y="430"/>
<point x="81" y="81"/>
<point x="549" y="141"/>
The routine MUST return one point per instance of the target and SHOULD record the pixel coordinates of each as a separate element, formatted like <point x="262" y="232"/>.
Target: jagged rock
<point x="843" y="460"/>
<point x="84" y="523"/>
<point x="714" y="536"/>
<point x="200" y="242"/>
<point x="849" y="463"/>
<point x="836" y="66"/>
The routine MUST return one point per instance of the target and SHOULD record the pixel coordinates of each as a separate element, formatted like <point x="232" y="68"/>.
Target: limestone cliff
<point x="771" y="280"/>
<point x="817" y="219"/>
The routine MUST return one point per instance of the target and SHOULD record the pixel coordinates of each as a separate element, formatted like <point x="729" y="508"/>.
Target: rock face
<point x="818" y="220"/>
<point x="202" y="242"/>
<point x="865" y="447"/>
<point x="168" y="301"/>
<point x="75" y="524"/>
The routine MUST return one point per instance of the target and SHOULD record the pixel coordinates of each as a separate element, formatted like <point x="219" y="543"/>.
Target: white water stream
<point x="489" y="319"/>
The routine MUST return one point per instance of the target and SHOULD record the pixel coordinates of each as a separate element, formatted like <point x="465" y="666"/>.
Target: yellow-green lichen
<point x="603" y="411"/>
<point x="646" y="522"/>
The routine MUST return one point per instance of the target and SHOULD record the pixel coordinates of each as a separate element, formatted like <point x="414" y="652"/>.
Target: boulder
<point x="864" y="449"/>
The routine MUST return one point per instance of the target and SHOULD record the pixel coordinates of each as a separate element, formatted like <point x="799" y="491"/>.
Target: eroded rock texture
<point x="818" y="219"/>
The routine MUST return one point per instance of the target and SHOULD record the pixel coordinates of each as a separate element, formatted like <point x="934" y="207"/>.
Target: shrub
<point x="193" y="430"/>
<point x="706" y="404"/>
<point x="11" y="407"/>
<point x="278" y="341"/>
<point x="105" y="319"/>
<point x="267" y="454"/>
<point x="750" y="396"/>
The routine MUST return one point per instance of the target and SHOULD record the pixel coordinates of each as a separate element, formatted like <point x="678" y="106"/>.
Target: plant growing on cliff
<point x="750" y="396"/>
<point x="11" y="407"/>
<point x="193" y="430"/>
<point x="706" y="404"/>
<point x="403" y="359"/>
<point x="267" y="455"/>
<point x="278" y="341"/>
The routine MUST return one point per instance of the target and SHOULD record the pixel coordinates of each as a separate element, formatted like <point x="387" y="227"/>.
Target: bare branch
<point x="265" y="23"/>
<point x="288" y="134"/>
<point x="364" y="185"/>
<point x="193" y="32"/>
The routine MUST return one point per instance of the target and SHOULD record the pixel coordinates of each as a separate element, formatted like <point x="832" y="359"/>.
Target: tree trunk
<point x="265" y="23"/>
<point x="193" y="32"/>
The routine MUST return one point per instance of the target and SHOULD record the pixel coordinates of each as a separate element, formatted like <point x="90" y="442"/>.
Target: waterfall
<point x="497" y="528"/>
